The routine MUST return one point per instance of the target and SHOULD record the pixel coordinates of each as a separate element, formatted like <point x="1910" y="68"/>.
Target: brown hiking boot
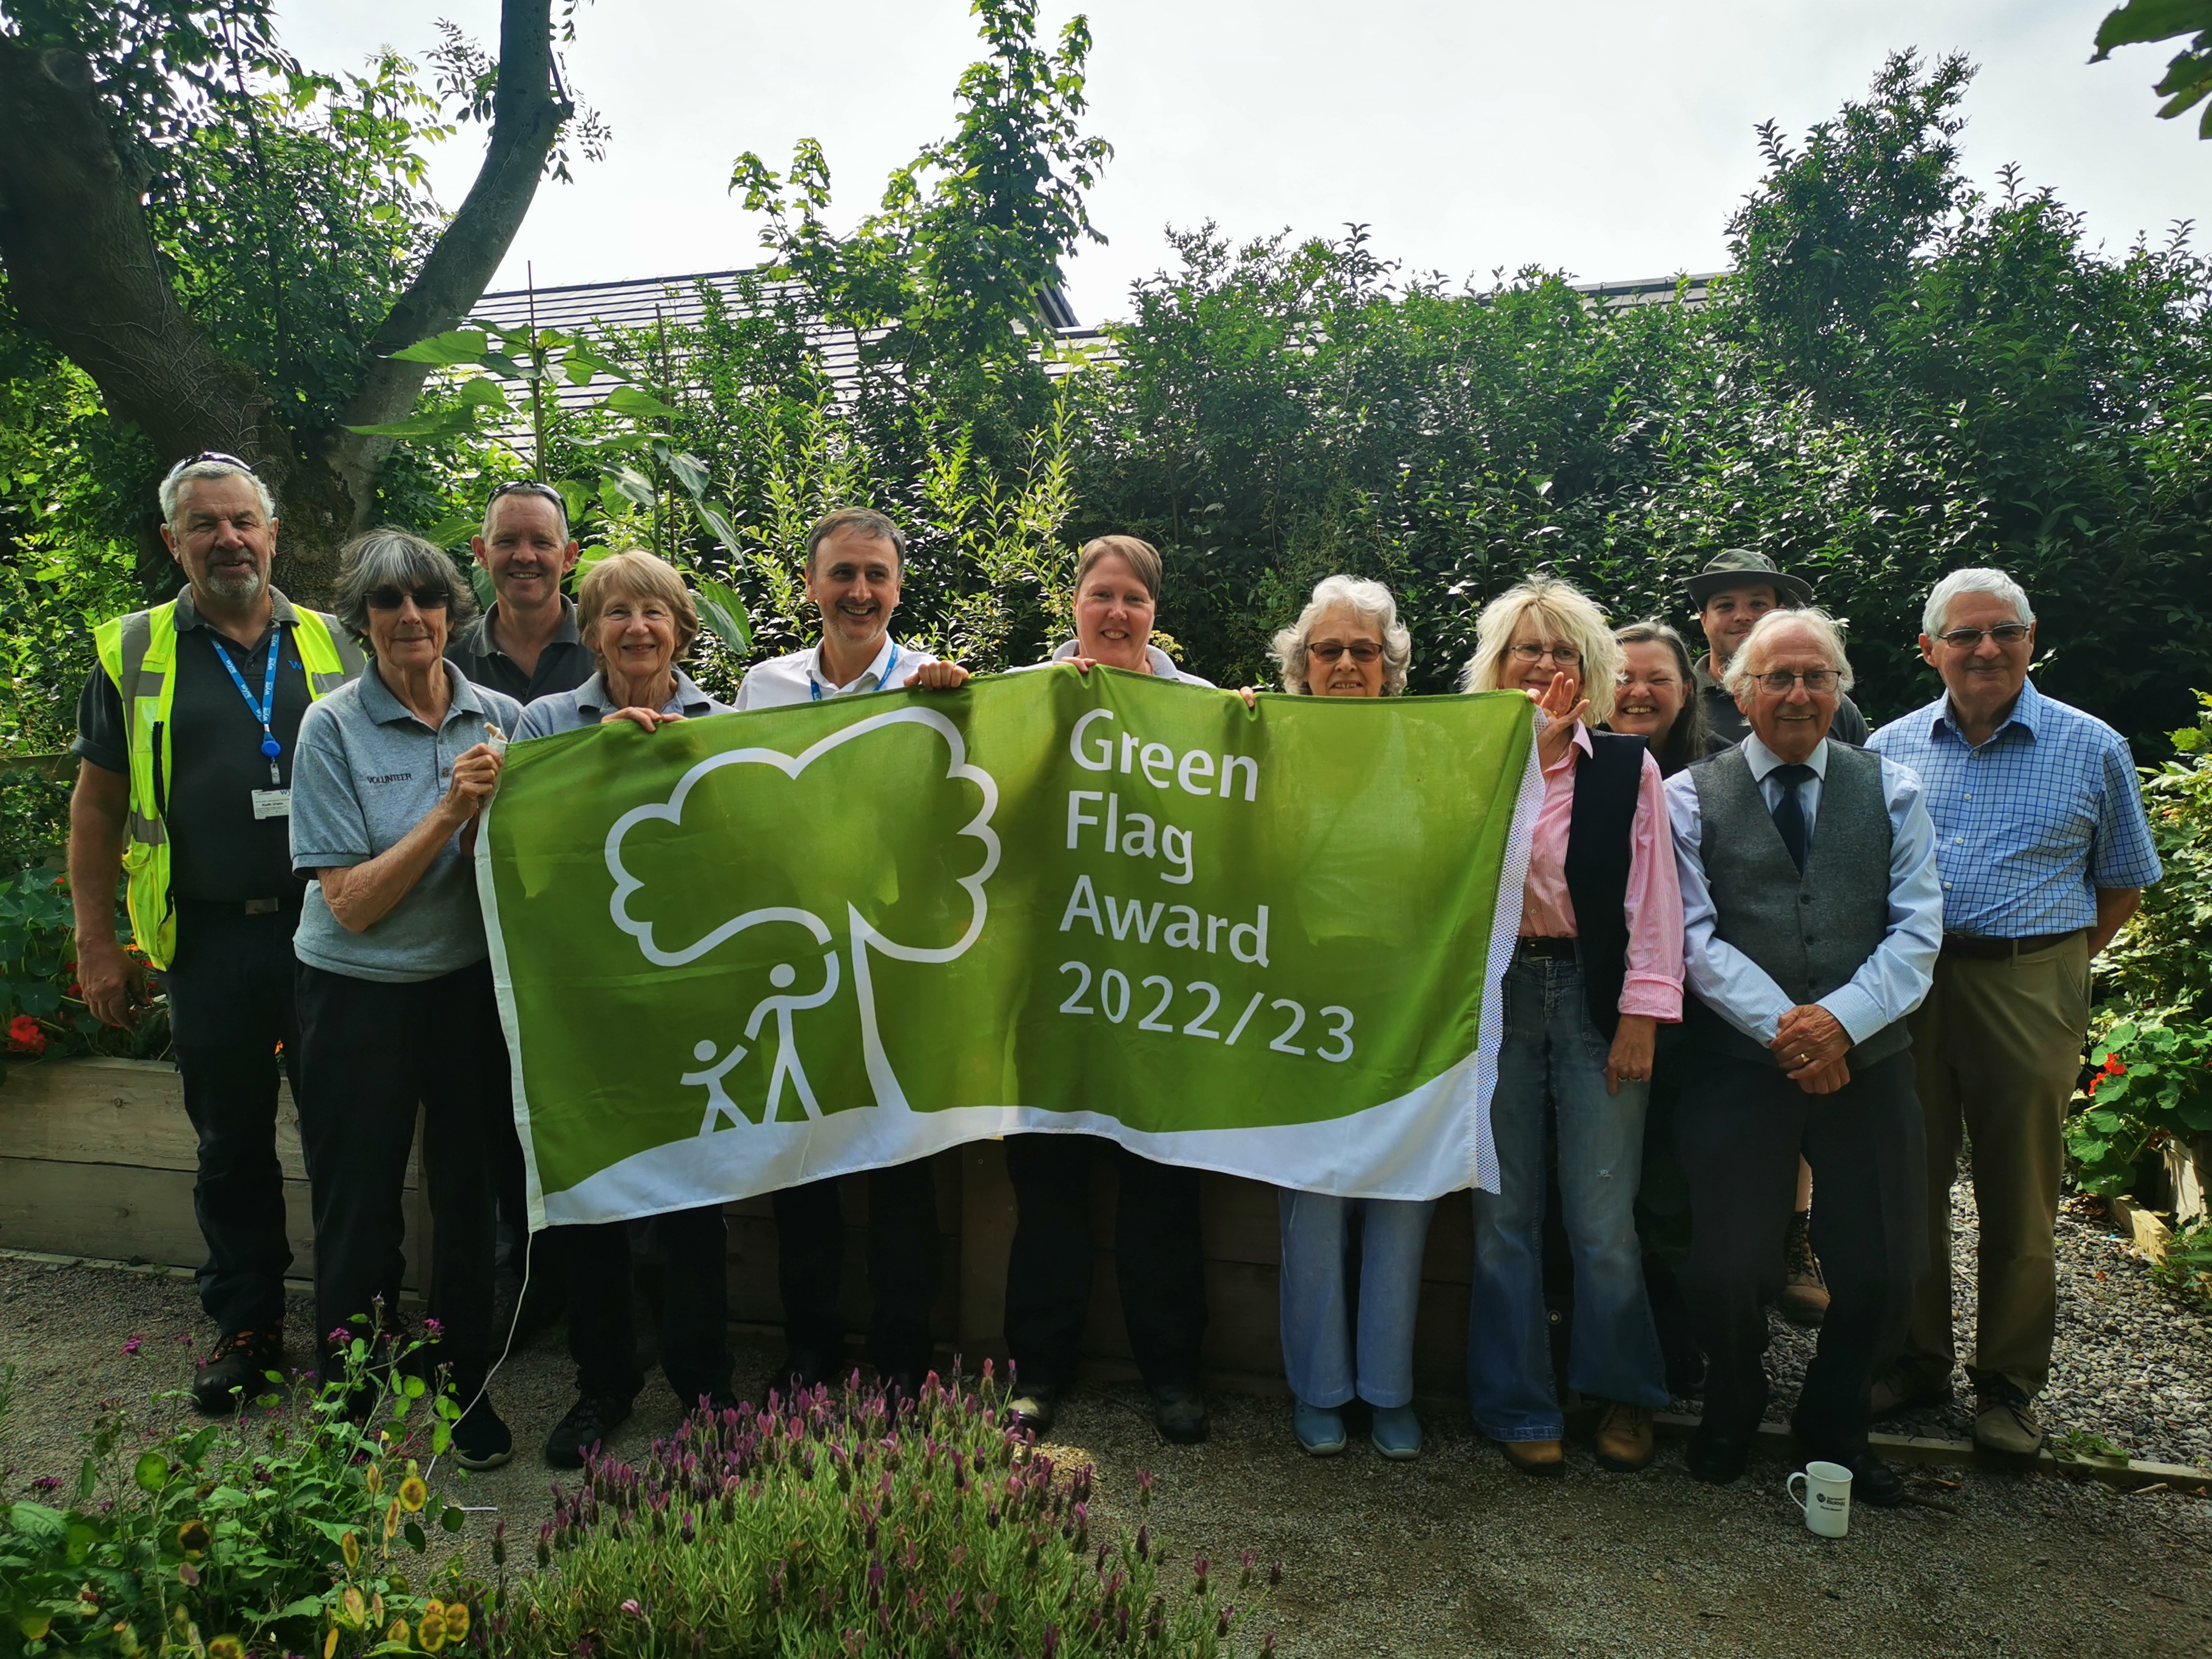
<point x="1623" y="1439"/>
<point x="2004" y="1420"/>
<point x="1804" y="1292"/>
<point x="1540" y="1457"/>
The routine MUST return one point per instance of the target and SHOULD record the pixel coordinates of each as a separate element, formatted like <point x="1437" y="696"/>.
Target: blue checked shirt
<point x="2029" y="825"/>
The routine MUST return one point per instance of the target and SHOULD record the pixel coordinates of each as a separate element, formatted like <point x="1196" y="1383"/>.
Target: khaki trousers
<point x="1997" y="1050"/>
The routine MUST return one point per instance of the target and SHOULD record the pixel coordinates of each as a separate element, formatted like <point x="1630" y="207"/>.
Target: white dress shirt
<point x="1890" y="984"/>
<point x="798" y="676"/>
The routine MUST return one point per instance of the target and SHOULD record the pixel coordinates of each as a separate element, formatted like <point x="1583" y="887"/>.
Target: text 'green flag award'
<point x="744" y="952"/>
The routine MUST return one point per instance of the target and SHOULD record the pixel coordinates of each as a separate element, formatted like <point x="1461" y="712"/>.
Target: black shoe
<point x="480" y="1440"/>
<point x="1718" y="1456"/>
<point x="1036" y="1409"/>
<point x="1179" y="1414"/>
<point x="238" y="1369"/>
<point x="1874" y="1481"/>
<point x="581" y="1432"/>
<point x="901" y="1388"/>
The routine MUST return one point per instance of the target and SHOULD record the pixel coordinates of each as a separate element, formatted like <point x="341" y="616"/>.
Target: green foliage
<point x="271" y="1531"/>
<point x="2187" y="1269"/>
<point x="2188" y="79"/>
<point x="45" y="1013"/>
<point x="2154" y="1057"/>
<point x="832" y="1526"/>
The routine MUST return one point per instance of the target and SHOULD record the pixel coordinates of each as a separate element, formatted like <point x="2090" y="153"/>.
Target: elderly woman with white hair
<point x="1597" y="968"/>
<point x="396" y="1009"/>
<point x="1348" y="642"/>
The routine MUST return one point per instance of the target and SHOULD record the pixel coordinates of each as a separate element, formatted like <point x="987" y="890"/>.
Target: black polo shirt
<point x="1726" y="721"/>
<point x="563" y="665"/>
<point x="220" y="853"/>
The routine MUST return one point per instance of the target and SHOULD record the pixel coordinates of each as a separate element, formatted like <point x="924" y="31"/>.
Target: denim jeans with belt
<point x="1318" y="1353"/>
<point x="1552" y="1048"/>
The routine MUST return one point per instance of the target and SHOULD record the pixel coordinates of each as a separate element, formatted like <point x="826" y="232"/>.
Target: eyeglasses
<point x="391" y="599"/>
<point x="1815" y="680"/>
<point x="1361" y="651"/>
<point x="216" y="455"/>
<point x="1965" y="638"/>
<point x="1562" y="656"/>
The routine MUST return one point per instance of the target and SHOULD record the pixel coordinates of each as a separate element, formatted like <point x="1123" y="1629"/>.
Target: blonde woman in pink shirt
<point x="1597" y="970"/>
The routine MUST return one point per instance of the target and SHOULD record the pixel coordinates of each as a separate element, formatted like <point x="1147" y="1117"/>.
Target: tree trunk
<point x="83" y="269"/>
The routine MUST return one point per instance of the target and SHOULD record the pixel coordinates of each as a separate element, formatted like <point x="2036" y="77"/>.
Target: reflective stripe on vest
<point x="139" y="652"/>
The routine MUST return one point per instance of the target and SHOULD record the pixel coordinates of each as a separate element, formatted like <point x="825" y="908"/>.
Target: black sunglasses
<point x="527" y="487"/>
<point x="391" y="599"/>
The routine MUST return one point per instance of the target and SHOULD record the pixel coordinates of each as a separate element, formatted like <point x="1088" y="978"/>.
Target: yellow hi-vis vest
<point x="139" y="653"/>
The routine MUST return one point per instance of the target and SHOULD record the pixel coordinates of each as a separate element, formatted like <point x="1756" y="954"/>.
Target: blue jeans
<point x="1552" y="1048"/>
<point x="1316" y="1324"/>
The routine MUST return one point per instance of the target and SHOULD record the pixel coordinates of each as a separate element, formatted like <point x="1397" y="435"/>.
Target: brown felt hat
<point x="1738" y="567"/>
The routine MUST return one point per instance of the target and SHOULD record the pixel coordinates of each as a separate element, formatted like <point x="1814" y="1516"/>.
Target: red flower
<point x="2113" y="1068"/>
<point x="26" y="1036"/>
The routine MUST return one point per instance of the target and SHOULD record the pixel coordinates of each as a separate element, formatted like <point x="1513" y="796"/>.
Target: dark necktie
<point x="1790" y="811"/>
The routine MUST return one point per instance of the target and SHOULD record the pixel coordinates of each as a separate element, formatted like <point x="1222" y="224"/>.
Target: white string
<point x="529" y="1254"/>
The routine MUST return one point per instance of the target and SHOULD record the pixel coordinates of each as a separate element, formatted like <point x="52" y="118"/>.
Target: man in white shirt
<point x="1812" y="915"/>
<point x="855" y="560"/>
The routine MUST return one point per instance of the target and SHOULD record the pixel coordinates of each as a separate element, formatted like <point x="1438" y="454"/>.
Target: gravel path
<point x="2132" y="1364"/>
<point x="1451" y="1554"/>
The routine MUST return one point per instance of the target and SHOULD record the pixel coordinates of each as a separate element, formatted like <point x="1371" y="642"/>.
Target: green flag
<point x="742" y="952"/>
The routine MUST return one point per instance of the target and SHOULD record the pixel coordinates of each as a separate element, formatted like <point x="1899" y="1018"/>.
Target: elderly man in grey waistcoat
<point x="1813" y="914"/>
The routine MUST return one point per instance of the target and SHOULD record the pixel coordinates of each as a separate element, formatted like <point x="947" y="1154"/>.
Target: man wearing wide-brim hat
<point x="1734" y="591"/>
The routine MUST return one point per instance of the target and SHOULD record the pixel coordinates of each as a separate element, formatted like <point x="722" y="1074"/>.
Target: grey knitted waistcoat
<point x="1810" y="933"/>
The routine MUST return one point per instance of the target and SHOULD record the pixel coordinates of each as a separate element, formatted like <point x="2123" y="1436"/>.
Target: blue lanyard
<point x="813" y="685"/>
<point x="266" y="710"/>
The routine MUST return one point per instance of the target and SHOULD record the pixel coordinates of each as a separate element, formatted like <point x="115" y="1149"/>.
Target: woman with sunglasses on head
<point x="1597" y="968"/>
<point x="395" y="987"/>
<point x="1348" y="642"/>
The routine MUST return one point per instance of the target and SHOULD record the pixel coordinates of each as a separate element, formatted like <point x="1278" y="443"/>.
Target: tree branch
<point x="528" y="108"/>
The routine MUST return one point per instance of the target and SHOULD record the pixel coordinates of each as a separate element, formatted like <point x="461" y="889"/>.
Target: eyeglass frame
<point x="1834" y="678"/>
<point x="1562" y="656"/>
<point x="1330" y="651"/>
<point x="1968" y="639"/>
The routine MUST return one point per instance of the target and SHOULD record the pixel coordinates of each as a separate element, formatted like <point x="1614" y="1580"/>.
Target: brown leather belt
<point x="2002" y="950"/>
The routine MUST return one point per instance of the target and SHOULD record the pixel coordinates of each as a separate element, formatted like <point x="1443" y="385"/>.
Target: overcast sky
<point x="1609" y="139"/>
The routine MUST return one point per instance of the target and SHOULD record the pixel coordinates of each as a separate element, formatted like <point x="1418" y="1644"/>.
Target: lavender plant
<point x="851" y="1524"/>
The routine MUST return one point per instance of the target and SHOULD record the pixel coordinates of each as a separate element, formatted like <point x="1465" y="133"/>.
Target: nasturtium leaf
<point x="37" y="998"/>
<point x="151" y="1471"/>
<point x="452" y="1519"/>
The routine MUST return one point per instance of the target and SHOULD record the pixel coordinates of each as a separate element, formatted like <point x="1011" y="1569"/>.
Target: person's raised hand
<point x="938" y="677"/>
<point x="476" y="779"/>
<point x="112" y="981"/>
<point x="645" y="718"/>
<point x="1562" y="709"/>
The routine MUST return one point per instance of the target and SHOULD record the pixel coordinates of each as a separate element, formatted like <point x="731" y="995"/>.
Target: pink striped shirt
<point x="1654" y="985"/>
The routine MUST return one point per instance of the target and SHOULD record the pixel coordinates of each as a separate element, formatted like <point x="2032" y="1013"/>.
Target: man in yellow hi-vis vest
<point x="184" y="738"/>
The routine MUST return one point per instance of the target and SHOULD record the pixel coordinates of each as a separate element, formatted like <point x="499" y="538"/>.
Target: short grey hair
<point x="396" y="558"/>
<point x="1371" y="603"/>
<point x="1739" y="674"/>
<point x="172" y="486"/>
<point x="1978" y="580"/>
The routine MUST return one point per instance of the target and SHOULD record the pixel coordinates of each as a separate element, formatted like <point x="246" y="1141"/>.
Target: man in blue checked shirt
<point x="2044" y="851"/>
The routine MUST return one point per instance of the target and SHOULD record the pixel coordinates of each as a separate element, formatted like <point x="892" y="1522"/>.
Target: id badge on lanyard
<point x="275" y="801"/>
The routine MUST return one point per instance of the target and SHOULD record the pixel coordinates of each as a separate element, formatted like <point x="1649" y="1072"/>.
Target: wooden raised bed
<point x="97" y="1160"/>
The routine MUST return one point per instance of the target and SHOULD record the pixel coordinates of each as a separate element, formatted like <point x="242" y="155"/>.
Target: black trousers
<point x="370" y="1054"/>
<point x="1740" y="1129"/>
<point x="903" y="1263"/>
<point x="1157" y="1261"/>
<point x="230" y="1000"/>
<point x="694" y="1323"/>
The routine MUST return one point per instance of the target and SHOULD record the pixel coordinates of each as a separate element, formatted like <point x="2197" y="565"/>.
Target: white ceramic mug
<point x="1827" y="1499"/>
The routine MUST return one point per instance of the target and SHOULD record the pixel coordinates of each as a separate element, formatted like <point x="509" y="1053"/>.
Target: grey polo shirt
<point x="368" y="772"/>
<point x="589" y="704"/>
<point x="565" y="663"/>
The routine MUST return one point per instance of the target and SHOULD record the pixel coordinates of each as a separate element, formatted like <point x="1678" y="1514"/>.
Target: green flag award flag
<point x="746" y="952"/>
